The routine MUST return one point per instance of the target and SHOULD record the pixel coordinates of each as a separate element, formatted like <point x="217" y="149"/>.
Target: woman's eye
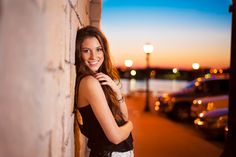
<point x="85" y="50"/>
<point x="99" y="49"/>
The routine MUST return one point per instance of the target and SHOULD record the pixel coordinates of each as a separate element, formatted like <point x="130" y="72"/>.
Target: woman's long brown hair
<point x="82" y="70"/>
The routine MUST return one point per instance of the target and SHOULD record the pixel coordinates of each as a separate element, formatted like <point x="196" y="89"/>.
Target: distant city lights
<point x="132" y="72"/>
<point x="175" y="70"/>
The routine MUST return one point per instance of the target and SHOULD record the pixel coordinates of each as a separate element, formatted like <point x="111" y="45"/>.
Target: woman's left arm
<point x="123" y="108"/>
<point x="106" y="80"/>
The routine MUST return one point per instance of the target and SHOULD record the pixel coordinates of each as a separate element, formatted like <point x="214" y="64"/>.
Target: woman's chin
<point x="94" y="69"/>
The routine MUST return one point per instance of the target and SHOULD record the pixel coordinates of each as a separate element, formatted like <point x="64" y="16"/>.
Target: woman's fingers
<point x="104" y="83"/>
<point x="101" y="75"/>
<point x="106" y="80"/>
<point x="103" y="79"/>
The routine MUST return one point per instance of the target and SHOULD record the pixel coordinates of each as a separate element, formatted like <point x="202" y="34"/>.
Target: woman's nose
<point x="93" y="55"/>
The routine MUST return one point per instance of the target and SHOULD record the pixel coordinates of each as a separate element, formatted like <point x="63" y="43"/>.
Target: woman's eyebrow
<point x="99" y="46"/>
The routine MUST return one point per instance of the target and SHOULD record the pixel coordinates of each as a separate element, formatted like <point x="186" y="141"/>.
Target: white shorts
<point x="123" y="154"/>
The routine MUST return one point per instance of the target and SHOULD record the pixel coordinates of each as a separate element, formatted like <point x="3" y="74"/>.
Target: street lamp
<point x="148" y="49"/>
<point x="128" y="65"/>
<point x="195" y="67"/>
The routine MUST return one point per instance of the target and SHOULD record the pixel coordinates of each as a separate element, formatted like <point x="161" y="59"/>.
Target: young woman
<point x="98" y="97"/>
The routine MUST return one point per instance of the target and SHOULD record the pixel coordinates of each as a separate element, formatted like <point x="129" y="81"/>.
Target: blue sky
<point x="181" y="31"/>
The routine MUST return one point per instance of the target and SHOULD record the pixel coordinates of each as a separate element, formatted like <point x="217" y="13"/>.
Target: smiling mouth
<point x="93" y="62"/>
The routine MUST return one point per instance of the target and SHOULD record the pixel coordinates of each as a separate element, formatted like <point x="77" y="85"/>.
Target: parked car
<point x="178" y="104"/>
<point x="208" y="103"/>
<point x="213" y="122"/>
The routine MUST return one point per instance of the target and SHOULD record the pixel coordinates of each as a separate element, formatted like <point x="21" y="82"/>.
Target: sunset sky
<point x="181" y="31"/>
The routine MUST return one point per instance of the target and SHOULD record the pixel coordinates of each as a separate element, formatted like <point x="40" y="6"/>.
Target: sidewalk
<point x="157" y="136"/>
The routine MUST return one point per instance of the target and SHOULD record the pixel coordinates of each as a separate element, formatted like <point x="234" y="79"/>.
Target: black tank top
<point x="97" y="139"/>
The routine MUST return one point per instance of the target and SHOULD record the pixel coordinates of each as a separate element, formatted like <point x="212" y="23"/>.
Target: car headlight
<point x="157" y="105"/>
<point x="197" y="102"/>
<point x="198" y="122"/>
<point x="202" y="114"/>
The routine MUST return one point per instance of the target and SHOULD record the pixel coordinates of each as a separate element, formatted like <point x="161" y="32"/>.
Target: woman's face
<point x="92" y="53"/>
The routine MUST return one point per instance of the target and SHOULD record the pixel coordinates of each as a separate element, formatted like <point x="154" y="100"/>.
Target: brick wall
<point x="37" y="42"/>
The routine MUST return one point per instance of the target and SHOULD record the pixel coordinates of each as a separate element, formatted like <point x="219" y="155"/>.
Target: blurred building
<point x="37" y="73"/>
<point x="163" y="73"/>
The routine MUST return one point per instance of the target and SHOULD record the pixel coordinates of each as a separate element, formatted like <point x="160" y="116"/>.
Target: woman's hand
<point x="106" y="80"/>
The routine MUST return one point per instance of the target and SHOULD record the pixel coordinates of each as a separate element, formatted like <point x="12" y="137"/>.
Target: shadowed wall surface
<point x="37" y="43"/>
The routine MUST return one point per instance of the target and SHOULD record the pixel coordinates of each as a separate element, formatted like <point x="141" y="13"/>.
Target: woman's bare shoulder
<point x="89" y="82"/>
<point x="90" y="90"/>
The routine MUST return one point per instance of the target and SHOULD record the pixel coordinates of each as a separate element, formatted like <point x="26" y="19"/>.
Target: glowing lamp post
<point x="148" y="49"/>
<point x="128" y="65"/>
<point x="195" y="67"/>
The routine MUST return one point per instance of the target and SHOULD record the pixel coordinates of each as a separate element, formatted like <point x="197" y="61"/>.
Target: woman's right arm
<point x="91" y="90"/>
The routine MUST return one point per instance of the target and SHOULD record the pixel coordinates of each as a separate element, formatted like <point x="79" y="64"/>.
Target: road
<point x="158" y="136"/>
